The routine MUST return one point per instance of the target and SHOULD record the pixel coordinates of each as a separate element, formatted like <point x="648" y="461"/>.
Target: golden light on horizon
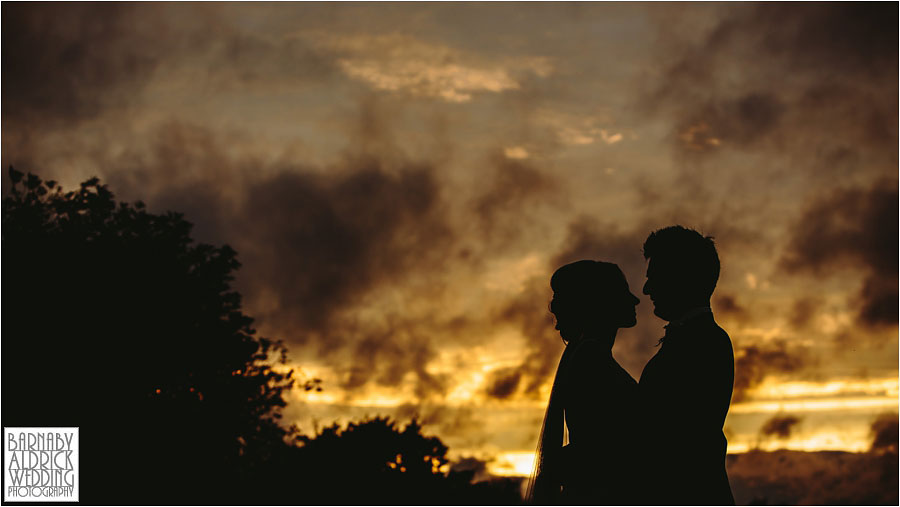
<point x="875" y="402"/>
<point x="774" y="396"/>
<point x="824" y="441"/>
<point x="512" y="464"/>
<point x="520" y="463"/>
<point x="859" y="400"/>
<point x="887" y="386"/>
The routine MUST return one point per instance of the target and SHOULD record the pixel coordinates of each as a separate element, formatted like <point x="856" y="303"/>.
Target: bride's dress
<point x="596" y="399"/>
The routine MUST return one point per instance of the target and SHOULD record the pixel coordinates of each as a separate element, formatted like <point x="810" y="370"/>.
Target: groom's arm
<point x="702" y="381"/>
<point x="693" y="451"/>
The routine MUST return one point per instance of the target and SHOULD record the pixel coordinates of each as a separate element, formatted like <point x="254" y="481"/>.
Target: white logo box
<point x="40" y="464"/>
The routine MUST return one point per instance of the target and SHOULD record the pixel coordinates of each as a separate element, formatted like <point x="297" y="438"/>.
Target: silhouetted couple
<point x="656" y="442"/>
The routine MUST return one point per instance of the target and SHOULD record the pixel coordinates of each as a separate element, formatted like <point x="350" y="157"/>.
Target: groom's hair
<point x="688" y="256"/>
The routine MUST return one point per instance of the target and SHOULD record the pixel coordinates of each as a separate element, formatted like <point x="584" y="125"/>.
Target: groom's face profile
<point x="662" y="289"/>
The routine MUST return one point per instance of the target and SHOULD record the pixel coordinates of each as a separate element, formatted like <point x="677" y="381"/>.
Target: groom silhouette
<point x="685" y="389"/>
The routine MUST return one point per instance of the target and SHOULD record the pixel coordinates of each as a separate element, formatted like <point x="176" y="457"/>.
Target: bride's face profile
<point x="590" y="297"/>
<point x="625" y="306"/>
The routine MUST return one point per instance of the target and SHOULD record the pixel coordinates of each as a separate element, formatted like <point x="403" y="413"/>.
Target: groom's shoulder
<point x="720" y="340"/>
<point x="708" y="334"/>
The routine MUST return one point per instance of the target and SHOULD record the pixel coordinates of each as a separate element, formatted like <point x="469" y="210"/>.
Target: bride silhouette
<point x="592" y="398"/>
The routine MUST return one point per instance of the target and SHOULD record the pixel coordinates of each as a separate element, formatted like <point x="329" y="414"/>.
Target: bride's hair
<point x="580" y="287"/>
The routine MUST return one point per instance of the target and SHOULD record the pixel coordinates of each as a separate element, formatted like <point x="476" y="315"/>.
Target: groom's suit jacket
<point x="685" y="391"/>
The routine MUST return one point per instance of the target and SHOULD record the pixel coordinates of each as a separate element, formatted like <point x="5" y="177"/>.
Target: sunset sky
<point x="400" y="180"/>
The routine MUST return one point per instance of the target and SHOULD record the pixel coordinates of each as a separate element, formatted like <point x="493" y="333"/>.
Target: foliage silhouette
<point x="115" y="321"/>
<point x="375" y="462"/>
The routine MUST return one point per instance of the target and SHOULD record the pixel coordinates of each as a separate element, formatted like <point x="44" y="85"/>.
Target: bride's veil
<point x="545" y="483"/>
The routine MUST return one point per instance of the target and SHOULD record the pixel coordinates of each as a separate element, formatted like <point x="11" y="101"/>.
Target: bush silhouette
<point x="382" y="463"/>
<point x="375" y="462"/>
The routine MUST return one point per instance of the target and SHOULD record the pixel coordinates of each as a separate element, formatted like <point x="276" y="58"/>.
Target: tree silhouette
<point x="115" y="321"/>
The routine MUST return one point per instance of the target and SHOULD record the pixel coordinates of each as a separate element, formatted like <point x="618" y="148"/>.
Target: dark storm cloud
<point x="816" y="77"/>
<point x="878" y="301"/>
<point x="313" y="243"/>
<point x="779" y="426"/>
<point x="727" y="304"/>
<point x="528" y="313"/>
<point x="837" y="39"/>
<point x="67" y="65"/>
<point x="753" y="363"/>
<point x="885" y="430"/>
<point x="314" y="239"/>
<point x="512" y="189"/>
<point x="504" y="383"/>
<point x="803" y="310"/>
<point x="318" y="241"/>
<point x="738" y="121"/>
<point x="385" y="355"/>
<point x="67" y="62"/>
<point x="321" y="242"/>
<point x="847" y="229"/>
<point x="447" y="421"/>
